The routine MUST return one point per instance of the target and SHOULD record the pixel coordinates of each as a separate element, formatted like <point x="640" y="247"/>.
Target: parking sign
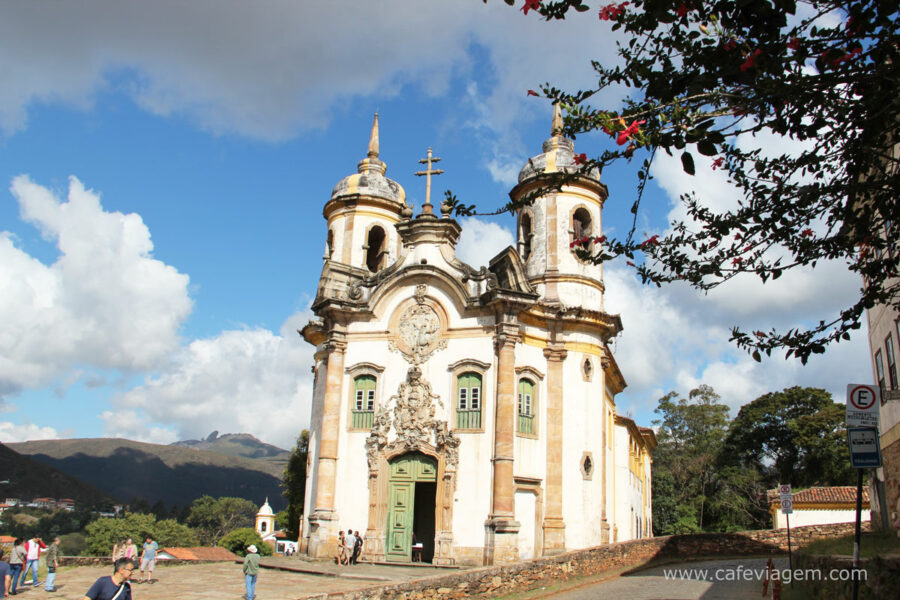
<point x="863" y="405"/>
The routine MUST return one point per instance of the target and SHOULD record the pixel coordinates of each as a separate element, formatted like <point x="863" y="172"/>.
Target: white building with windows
<point x="472" y="410"/>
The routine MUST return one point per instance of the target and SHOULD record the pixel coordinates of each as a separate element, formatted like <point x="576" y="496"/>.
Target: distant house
<point x="199" y="553"/>
<point x="65" y="504"/>
<point x="819" y="506"/>
<point x="44" y="502"/>
<point x="6" y="542"/>
<point x="14" y="501"/>
<point x="4" y="506"/>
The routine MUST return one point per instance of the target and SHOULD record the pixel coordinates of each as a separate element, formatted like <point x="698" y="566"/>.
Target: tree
<point x="294" y="484"/>
<point x="690" y="435"/>
<point x="238" y="540"/>
<point x="795" y="436"/>
<point x="709" y="76"/>
<point x="214" y="517"/>
<point x="104" y="532"/>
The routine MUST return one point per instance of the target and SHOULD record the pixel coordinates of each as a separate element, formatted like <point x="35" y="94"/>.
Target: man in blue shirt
<point x="116" y="586"/>
<point x="148" y="559"/>
<point x="4" y="574"/>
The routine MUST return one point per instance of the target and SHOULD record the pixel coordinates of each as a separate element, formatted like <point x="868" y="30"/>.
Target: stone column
<point x="554" y="526"/>
<point x="607" y="437"/>
<point x="501" y="528"/>
<point x="323" y="521"/>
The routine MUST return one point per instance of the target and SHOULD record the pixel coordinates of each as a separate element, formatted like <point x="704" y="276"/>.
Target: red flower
<point x="612" y="11"/>
<point x="682" y="10"/>
<point x="794" y="43"/>
<point x="730" y="45"/>
<point x="759" y="334"/>
<point x="600" y="239"/>
<point x="737" y="261"/>
<point x="718" y="163"/>
<point x="607" y="130"/>
<point x="651" y="241"/>
<point x="583" y="242"/>
<point x="531" y="5"/>
<point x="806" y="232"/>
<point x="580" y="159"/>
<point x="629" y="131"/>
<point x="532" y="93"/>
<point x="750" y="62"/>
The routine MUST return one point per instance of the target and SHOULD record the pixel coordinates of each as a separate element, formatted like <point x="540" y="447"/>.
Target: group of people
<point x="25" y="556"/>
<point x="350" y="546"/>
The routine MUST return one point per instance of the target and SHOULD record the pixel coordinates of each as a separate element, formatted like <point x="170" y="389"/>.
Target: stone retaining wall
<point x="881" y="577"/>
<point x="496" y="581"/>
<point x="91" y="561"/>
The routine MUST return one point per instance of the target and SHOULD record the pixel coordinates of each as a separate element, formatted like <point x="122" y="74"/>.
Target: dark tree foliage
<point x="294" y="483"/>
<point x="822" y="74"/>
<point x="794" y="436"/>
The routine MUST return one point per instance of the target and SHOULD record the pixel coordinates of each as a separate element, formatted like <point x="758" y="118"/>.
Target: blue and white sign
<point x="865" y="448"/>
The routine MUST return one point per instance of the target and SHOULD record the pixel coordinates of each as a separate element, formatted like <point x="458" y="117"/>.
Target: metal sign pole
<point x="790" y="559"/>
<point x="855" y="574"/>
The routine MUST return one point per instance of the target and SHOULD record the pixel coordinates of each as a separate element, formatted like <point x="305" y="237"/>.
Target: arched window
<point x="526" y="406"/>
<point x="329" y="244"/>
<point x="587" y="369"/>
<point x="581" y="223"/>
<point x="364" y="402"/>
<point x="525" y="235"/>
<point x="262" y="527"/>
<point x="375" y="249"/>
<point x="468" y="401"/>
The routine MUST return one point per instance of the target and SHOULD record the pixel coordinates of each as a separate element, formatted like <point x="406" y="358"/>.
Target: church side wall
<point x="315" y="434"/>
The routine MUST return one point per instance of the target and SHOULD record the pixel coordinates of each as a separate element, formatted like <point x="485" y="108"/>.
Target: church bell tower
<point x="362" y="212"/>
<point x="548" y="227"/>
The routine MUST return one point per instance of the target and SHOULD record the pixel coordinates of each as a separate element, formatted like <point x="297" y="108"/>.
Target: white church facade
<point x="472" y="410"/>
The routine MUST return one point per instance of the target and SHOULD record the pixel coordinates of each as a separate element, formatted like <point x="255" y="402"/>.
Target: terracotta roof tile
<point x="201" y="553"/>
<point x="842" y="494"/>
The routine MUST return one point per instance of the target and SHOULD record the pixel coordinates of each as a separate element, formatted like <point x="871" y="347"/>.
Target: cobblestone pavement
<point x="653" y="584"/>
<point x="224" y="581"/>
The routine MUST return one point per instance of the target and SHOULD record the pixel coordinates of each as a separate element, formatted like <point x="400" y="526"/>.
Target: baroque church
<point x="462" y="415"/>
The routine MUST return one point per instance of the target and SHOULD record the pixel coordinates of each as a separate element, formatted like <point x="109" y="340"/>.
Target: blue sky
<point x="164" y="167"/>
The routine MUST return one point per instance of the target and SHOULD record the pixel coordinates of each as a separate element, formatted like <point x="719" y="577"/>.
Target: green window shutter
<point x="526" y="407"/>
<point x="468" y="408"/>
<point x="364" y="408"/>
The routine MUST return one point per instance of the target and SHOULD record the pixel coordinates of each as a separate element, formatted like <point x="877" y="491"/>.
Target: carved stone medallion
<point x="418" y="331"/>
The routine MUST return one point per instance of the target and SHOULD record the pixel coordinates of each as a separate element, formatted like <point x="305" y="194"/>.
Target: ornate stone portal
<point x="407" y="423"/>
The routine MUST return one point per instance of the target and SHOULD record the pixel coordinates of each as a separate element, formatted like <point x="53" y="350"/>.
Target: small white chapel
<point x="472" y="411"/>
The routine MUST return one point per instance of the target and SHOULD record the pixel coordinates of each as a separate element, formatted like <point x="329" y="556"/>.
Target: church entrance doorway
<point x="411" y="507"/>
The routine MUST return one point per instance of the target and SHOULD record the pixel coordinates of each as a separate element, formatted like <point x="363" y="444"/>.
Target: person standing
<point x="350" y="544"/>
<point x="4" y="575"/>
<point x="148" y="559"/>
<point x="130" y="550"/>
<point x="33" y="549"/>
<point x="115" y="586"/>
<point x="52" y="564"/>
<point x="251" y="570"/>
<point x="357" y="548"/>
<point x="16" y="563"/>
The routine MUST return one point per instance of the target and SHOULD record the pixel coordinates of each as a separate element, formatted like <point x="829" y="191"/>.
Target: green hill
<point x="28" y="479"/>
<point x="174" y="474"/>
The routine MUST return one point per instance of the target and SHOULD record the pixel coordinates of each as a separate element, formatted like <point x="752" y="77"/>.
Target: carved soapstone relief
<point x="418" y="331"/>
<point x="407" y="421"/>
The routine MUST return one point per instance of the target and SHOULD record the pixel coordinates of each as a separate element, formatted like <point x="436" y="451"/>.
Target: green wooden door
<point x="406" y="470"/>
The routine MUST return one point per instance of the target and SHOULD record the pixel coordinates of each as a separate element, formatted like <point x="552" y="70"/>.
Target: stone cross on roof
<point x="428" y="172"/>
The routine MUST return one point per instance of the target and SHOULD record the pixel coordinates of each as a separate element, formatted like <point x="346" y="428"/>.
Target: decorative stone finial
<point x="373" y="139"/>
<point x="557" y="127"/>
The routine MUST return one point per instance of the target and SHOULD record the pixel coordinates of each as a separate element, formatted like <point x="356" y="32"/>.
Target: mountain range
<point x="231" y="465"/>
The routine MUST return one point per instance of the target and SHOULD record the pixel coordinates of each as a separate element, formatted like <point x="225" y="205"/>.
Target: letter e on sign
<point x="863" y="403"/>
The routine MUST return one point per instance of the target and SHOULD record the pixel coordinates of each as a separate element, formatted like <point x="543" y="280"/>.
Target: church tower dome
<point x="547" y="228"/>
<point x="362" y="212"/>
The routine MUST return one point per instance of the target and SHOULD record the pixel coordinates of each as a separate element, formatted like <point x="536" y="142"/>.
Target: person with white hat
<point x="251" y="570"/>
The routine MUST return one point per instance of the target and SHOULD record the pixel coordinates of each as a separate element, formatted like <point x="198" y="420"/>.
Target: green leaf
<point x="707" y="148"/>
<point x="687" y="163"/>
<point x="756" y="356"/>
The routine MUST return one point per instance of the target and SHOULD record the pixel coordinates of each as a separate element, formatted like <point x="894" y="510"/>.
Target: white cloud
<point x="481" y="241"/>
<point x="675" y="339"/>
<point x="105" y="302"/>
<point x="241" y="381"/>
<point x="271" y="71"/>
<point x="11" y="433"/>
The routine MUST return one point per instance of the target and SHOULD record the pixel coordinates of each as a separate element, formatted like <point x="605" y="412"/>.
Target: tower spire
<point x="373" y="139"/>
<point x="557" y="127"/>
